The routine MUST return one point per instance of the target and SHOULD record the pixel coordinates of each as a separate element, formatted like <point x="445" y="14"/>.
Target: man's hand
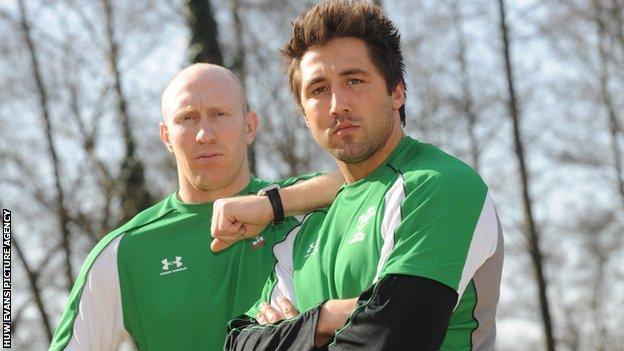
<point x="269" y="314"/>
<point x="244" y="217"/>
<point x="334" y="315"/>
<point x="238" y="218"/>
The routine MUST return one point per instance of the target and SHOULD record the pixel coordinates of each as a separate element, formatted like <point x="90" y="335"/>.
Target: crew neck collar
<point x="203" y="207"/>
<point x="380" y="169"/>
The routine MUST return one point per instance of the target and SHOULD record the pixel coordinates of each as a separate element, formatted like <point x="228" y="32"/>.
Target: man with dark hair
<point x="155" y="279"/>
<point x="409" y="255"/>
<point x="366" y="22"/>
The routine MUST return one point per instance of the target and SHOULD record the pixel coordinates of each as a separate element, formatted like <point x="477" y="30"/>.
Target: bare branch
<point x="132" y="187"/>
<point x="61" y="211"/>
<point x="35" y="289"/>
<point x="529" y="224"/>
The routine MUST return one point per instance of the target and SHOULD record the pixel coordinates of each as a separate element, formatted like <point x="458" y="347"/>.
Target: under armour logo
<point x="166" y="263"/>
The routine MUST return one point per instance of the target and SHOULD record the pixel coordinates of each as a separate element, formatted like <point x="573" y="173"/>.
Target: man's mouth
<point x="345" y="128"/>
<point x="208" y="156"/>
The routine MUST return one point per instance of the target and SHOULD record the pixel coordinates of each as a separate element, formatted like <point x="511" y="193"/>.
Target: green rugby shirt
<point x="421" y="213"/>
<point x="156" y="280"/>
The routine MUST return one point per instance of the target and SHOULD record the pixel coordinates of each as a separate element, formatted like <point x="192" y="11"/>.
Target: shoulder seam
<point x="111" y="239"/>
<point x="153" y="220"/>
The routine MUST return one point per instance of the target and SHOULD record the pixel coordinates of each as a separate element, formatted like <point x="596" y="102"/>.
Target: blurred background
<point x="532" y="97"/>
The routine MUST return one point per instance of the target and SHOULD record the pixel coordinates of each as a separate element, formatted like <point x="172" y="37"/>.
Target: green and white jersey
<point x="156" y="280"/>
<point x="421" y="213"/>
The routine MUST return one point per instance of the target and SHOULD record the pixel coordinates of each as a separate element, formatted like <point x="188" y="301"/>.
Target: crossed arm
<point x="332" y="315"/>
<point x="399" y="312"/>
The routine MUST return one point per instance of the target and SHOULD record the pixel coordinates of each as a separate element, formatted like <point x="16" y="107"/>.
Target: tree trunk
<point x="529" y="223"/>
<point x="34" y="288"/>
<point x="61" y="211"/>
<point x="617" y="15"/>
<point x="467" y="103"/>
<point x="239" y="69"/>
<point x="204" y="45"/>
<point x="134" y="195"/>
<point x="597" y="303"/>
<point x="607" y="100"/>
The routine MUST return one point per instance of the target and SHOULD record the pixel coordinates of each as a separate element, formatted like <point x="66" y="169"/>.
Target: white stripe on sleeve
<point x="99" y="323"/>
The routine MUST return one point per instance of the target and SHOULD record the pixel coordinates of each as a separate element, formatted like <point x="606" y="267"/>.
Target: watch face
<point x="264" y="190"/>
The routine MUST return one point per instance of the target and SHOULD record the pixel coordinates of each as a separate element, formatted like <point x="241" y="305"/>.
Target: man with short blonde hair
<point x="155" y="278"/>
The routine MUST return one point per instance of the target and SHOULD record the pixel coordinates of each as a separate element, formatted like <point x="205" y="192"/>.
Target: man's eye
<point x="186" y="117"/>
<point x="354" y="81"/>
<point x="318" y="91"/>
<point x="219" y="114"/>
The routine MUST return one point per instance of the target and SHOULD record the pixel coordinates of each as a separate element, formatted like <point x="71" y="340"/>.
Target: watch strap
<point x="272" y="192"/>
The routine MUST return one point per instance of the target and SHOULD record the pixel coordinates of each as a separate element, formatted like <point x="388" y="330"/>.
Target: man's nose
<point x="205" y="133"/>
<point x="340" y="103"/>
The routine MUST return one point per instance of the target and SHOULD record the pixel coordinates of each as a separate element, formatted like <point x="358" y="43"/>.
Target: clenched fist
<point x="238" y="218"/>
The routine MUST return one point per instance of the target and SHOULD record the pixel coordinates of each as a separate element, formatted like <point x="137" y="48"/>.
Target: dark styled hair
<point x="347" y="18"/>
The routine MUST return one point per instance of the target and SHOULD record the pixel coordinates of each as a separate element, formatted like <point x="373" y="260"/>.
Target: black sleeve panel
<point x="296" y="334"/>
<point x="400" y="312"/>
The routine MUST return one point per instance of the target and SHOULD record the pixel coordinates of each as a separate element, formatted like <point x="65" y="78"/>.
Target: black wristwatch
<point x="272" y="192"/>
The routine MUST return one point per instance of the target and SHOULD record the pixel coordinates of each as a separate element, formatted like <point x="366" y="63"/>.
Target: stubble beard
<point x="352" y="151"/>
<point x="355" y="152"/>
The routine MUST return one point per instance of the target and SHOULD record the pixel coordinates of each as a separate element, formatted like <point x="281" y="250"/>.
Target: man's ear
<point x="304" y="116"/>
<point x="164" y="135"/>
<point x="398" y="96"/>
<point x="251" y="126"/>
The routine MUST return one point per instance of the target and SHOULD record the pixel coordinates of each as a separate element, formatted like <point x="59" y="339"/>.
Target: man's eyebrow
<point x="352" y="71"/>
<point x="313" y="81"/>
<point x="181" y="110"/>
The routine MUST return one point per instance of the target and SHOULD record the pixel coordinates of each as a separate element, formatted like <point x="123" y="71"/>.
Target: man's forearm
<point x="297" y="334"/>
<point x="319" y="324"/>
<point x="243" y="217"/>
<point x="313" y="329"/>
<point x="400" y="312"/>
<point x="306" y="196"/>
<point x="333" y="316"/>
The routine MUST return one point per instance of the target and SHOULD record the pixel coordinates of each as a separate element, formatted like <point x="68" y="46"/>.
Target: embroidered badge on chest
<point x="257" y="242"/>
<point x="363" y="220"/>
<point x="312" y="249"/>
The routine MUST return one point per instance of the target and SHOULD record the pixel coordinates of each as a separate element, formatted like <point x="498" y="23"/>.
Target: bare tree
<point x="238" y="65"/>
<point x="134" y="194"/>
<point x="282" y="136"/>
<point x="467" y="104"/>
<point x="35" y="288"/>
<point x="529" y="223"/>
<point x="204" y="43"/>
<point x="613" y="119"/>
<point x="70" y="50"/>
<point x="61" y="211"/>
